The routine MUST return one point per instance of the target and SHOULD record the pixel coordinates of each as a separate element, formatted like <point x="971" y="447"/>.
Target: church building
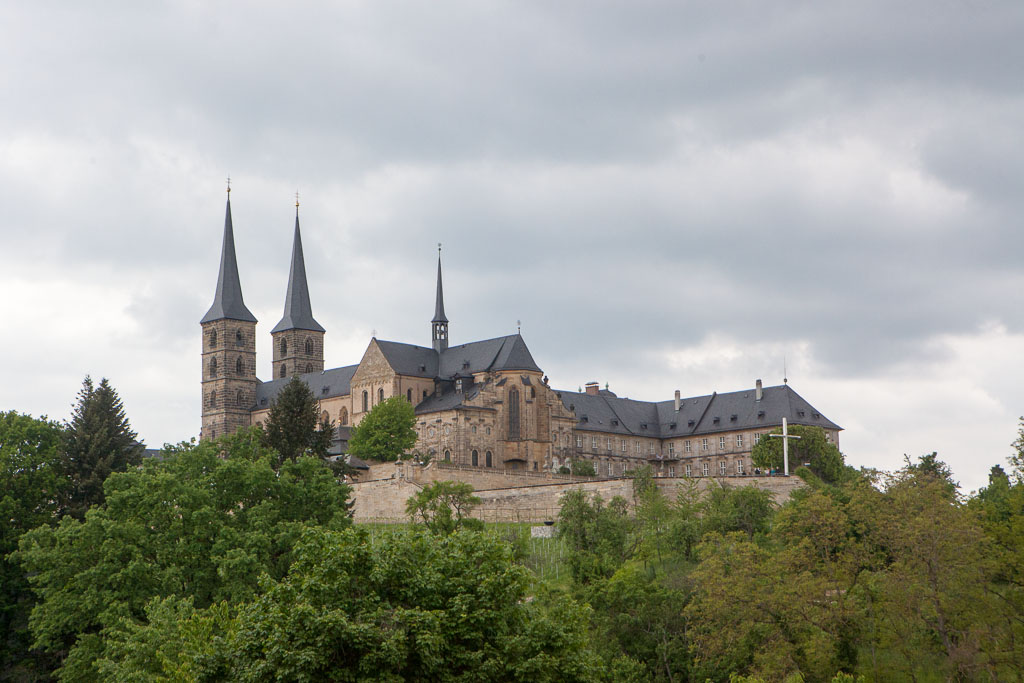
<point x="484" y="404"/>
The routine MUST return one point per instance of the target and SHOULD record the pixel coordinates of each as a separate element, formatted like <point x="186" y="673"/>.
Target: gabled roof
<point x="326" y="384"/>
<point x="697" y="415"/>
<point x="501" y="353"/>
<point x="227" y="299"/>
<point x="298" y="311"/>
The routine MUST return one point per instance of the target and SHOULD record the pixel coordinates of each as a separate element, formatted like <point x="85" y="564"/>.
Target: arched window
<point x="366" y="400"/>
<point x="380" y="395"/>
<point x="513" y="414"/>
<point x="533" y="393"/>
<point x="213" y="367"/>
<point x="238" y="366"/>
<point x="309" y="346"/>
<point x="476" y="459"/>
<point x="408" y="395"/>
<point x="324" y="417"/>
<point x="487" y="459"/>
<point x="238" y="337"/>
<point x="343" y="416"/>
<point x="284" y="370"/>
<point x="424" y="394"/>
<point x="240" y="399"/>
<point x="213" y="398"/>
<point x="447" y="455"/>
<point x="213" y="339"/>
<point x="284" y="346"/>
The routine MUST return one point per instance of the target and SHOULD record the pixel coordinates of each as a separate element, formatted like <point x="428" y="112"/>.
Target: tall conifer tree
<point x="97" y="441"/>
<point x="293" y="426"/>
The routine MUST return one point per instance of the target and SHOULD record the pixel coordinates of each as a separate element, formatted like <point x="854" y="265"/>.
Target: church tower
<point x="439" y="325"/>
<point x="229" y="348"/>
<point x="298" y="338"/>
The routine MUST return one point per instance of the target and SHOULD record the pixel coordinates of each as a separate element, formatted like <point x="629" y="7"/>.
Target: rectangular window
<point x="638" y="447"/>
<point x="593" y="443"/>
<point x="671" y="471"/>
<point x="722" y="467"/>
<point x="688" y="469"/>
<point x="686" y="446"/>
<point x="623" y="445"/>
<point x="739" y="441"/>
<point x="579" y="441"/>
<point x="757" y="437"/>
<point x="739" y="467"/>
<point x="704" y="444"/>
<point x="650" y="448"/>
<point x="721" y="443"/>
<point x="609" y="444"/>
<point x="704" y="468"/>
<point x="671" y="448"/>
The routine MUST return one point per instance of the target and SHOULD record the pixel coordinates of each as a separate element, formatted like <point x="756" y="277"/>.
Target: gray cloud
<point x="630" y="180"/>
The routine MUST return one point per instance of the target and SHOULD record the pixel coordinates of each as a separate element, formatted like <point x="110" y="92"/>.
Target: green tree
<point x="583" y="468"/>
<point x="32" y="486"/>
<point x="408" y="606"/>
<point x="812" y="447"/>
<point x="193" y="525"/>
<point x="597" y="534"/>
<point x="97" y="442"/>
<point x="386" y="433"/>
<point x="294" y="427"/>
<point x="444" y="506"/>
<point x="737" y="508"/>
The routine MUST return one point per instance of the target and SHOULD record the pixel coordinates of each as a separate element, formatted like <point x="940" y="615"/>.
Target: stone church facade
<point x="483" y="404"/>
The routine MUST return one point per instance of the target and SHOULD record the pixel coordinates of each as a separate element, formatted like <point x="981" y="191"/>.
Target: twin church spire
<point x="298" y="338"/>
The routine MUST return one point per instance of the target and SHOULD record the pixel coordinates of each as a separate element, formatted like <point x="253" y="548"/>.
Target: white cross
<point x="785" y="436"/>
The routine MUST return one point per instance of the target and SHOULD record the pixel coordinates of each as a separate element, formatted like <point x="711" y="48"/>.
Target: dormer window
<point x="717" y="420"/>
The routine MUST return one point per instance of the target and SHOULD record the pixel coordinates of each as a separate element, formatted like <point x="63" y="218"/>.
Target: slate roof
<point x="501" y="353"/>
<point x="697" y="415"/>
<point x="447" y="400"/>
<point x="298" y="311"/>
<point x="227" y="299"/>
<point x="334" y="382"/>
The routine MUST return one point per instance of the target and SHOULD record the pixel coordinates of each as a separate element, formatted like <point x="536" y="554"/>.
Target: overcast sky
<point x="667" y="195"/>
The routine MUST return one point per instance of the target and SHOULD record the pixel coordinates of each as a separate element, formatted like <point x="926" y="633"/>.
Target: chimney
<point x="758" y="393"/>
<point x="677" y="400"/>
<point x="593" y="388"/>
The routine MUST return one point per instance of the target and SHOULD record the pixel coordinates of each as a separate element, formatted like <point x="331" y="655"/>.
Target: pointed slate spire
<point x="439" y="316"/>
<point x="298" y="312"/>
<point x="227" y="301"/>
<point x="439" y="325"/>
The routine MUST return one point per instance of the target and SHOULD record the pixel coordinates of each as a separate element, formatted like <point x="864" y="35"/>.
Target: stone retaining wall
<point x="380" y="495"/>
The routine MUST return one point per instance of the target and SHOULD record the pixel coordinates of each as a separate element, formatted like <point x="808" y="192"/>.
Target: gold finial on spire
<point x="229" y="185"/>
<point x="296" y="201"/>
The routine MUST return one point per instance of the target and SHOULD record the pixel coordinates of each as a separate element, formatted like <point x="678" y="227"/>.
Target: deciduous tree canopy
<point x="386" y="433"/>
<point x="193" y="525"/>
